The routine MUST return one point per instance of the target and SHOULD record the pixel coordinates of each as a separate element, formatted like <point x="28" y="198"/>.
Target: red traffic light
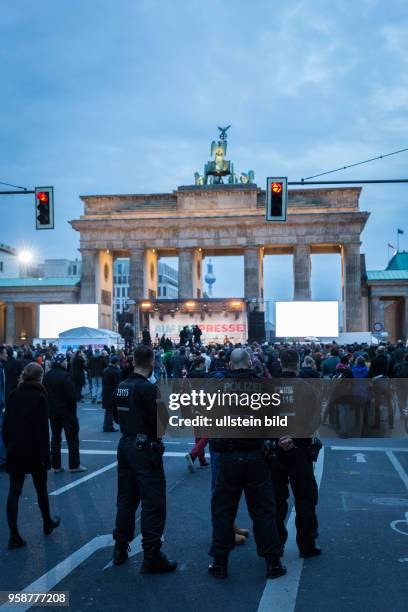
<point x="276" y="187"/>
<point x="44" y="208"/>
<point x="276" y="198"/>
<point x="43" y="197"/>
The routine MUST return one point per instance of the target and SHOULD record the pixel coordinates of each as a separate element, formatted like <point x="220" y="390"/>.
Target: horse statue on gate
<point x="218" y="168"/>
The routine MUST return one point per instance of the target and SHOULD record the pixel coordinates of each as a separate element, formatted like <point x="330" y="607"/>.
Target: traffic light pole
<point x="16" y="192"/>
<point x="364" y="182"/>
<point x="44" y="203"/>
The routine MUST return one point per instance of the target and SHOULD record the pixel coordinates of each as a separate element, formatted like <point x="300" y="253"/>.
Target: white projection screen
<point x="304" y="319"/>
<point x="56" y="318"/>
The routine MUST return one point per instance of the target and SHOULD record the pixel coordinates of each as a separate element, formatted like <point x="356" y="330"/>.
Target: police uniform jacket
<point x="135" y="407"/>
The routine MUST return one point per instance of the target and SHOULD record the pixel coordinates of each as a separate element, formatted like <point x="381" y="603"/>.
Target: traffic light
<point x="276" y="198"/>
<point x="44" y="207"/>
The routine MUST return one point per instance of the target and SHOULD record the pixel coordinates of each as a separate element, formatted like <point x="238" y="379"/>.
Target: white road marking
<point x="171" y="442"/>
<point x="280" y="595"/>
<point x="360" y="458"/>
<point x="79" y="481"/>
<point x="394" y="524"/>
<point x="404" y="449"/>
<point x="95" y="451"/>
<point x="400" y="470"/>
<point x="98" y="451"/>
<point x="100" y="441"/>
<point x="51" y="578"/>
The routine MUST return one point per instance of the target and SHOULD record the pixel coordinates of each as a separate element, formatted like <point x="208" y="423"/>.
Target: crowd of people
<point x="40" y="388"/>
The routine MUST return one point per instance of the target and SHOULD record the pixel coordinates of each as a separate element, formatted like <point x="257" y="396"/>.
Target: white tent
<point x="88" y="336"/>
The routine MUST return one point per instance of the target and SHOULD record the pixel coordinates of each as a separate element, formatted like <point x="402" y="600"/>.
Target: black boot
<point x="274" y="568"/>
<point x="157" y="563"/>
<point x="120" y="553"/>
<point x="219" y="567"/>
<point x="313" y="551"/>
<point x="51" y="524"/>
<point x="15" y="541"/>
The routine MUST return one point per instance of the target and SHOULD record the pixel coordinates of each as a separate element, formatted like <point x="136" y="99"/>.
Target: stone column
<point x="253" y="273"/>
<point x="97" y="283"/>
<point x="3" y="324"/>
<point x="405" y="319"/>
<point x="137" y="270"/>
<point x="137" y="274"/>
<point x="88" y="284"/>
<point x="376" y="312"/>
<point x="10" y="323"/>
<point x="301" y="272"/>
<point x="104" y="287"/>
<point x="352" y="301"/>
<point x="35" y="312"/>
<point x="151" y="277"/>
<point x="190" y="274"/>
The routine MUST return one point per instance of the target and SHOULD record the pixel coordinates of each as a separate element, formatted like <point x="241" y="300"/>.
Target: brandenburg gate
<point x="212" y="218"/>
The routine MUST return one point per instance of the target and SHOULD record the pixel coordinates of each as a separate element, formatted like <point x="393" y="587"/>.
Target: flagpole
<point x="397" y="241"/>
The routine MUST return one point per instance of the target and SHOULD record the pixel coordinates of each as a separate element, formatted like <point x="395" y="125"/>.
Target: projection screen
<point x="56" y="318"/>
<point x="304" y="319"/>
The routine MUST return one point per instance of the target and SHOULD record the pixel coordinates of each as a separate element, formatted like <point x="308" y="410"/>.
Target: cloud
<point x="127" y="99"/>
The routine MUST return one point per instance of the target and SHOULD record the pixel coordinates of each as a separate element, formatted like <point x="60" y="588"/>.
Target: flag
<point x="400" y="231"/>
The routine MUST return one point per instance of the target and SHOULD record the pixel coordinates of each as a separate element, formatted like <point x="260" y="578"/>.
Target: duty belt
<point x="143" y="442"/>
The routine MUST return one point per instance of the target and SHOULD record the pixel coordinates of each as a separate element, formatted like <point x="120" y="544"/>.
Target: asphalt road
<point x="363" y="515"/>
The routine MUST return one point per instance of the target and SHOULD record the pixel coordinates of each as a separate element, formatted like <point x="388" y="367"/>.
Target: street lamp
<point x="25" y="257"/>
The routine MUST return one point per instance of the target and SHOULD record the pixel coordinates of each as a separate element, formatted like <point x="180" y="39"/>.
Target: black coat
<point x="78" y="366"/>
<point x="308" y="372"/>
<point x="61" y="393"/>
<point x="111" y="377"/>
<point x="180" y="363"/>
<point x="96" y="365"/>
<point x="25" y="430"/>
<point x="12" y="369"/>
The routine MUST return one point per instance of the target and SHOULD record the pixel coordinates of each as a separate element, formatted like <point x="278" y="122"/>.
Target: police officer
<point x="293" y="458"/>
<point x="243" y="467"/>
<point x="140" y="467"/>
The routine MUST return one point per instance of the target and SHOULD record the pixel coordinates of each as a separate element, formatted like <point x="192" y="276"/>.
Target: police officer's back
<point x="293" y="463"/>
<point x="140" y="467"/>
<point x="243" y="467"/>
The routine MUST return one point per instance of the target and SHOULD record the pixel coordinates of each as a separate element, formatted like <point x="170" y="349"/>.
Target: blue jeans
<point x="96" y="390"/>
<point x="2" y="445"/>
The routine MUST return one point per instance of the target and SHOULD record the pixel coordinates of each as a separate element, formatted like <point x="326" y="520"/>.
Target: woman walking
<point x="26" y="437"/>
